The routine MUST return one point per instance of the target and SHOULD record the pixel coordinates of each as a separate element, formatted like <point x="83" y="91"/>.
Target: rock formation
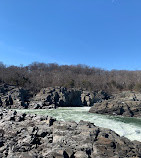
<point x="63" y="97"/>
<point x="28" y="136"/>
<point x="124" y="104"/>
<point x="12" y="97"/>
<point x="115" y="107"/>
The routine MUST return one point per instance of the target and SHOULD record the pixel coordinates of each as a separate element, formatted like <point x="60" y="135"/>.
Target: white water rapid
<point x="124" y="126"/>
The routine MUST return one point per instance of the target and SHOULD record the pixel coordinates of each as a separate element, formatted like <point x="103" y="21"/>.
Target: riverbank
<point x="126" y="103"/>
<point x="128" y="127"/>
<point x="52" y="97"/>
<point x="31" y="135"/>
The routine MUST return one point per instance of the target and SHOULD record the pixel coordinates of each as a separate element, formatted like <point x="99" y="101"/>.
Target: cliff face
<point x="124" y="104"/>
<point x="63" y="97"/>
<point x="12" y="97"/>
<point x="116" y="107"/>
<point x="24" y="135"/>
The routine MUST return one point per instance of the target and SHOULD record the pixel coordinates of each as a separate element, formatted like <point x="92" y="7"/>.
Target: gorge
<point x="57" y="123"/>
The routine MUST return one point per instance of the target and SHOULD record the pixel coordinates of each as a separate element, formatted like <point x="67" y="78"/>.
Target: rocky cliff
<point x="52" y="97"/>
<point x="124" y="104"/>
<point x="13" y="97"/>
<point x="63" y="97"/>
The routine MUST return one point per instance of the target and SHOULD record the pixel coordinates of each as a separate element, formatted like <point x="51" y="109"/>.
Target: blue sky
<point x="99" y="33"/>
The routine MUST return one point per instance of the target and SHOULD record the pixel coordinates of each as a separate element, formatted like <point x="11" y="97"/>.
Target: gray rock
<point x="38" y="136"/>
<point x="118" y="107"/>
<point x="60" y="97"/>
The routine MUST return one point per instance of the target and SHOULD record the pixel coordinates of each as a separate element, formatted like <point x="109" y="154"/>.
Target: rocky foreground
<point x="32" y="136"/>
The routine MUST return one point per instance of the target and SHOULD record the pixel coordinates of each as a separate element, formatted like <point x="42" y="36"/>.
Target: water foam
<point x="130" y="129"/>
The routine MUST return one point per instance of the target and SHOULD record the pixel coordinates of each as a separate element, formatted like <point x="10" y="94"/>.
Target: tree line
<point x="41" y="75"/>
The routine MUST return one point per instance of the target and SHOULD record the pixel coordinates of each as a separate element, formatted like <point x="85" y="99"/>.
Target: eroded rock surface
<point x="124" y="108"/>
<point x="51" y="97"/>
<point x="124" y="104"/>
<point x="13" y="97"/>
<point x="29" y="136"/>
<point x="63" y="97"/>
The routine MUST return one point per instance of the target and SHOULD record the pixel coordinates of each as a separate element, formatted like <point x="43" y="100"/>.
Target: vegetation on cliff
<point x="40" y="75"/>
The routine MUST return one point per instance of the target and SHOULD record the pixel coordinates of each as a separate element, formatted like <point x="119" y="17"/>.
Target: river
<point x="124" y="126"/>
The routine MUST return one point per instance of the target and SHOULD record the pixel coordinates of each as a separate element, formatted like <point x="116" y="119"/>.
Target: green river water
<point x="124" y="126"/>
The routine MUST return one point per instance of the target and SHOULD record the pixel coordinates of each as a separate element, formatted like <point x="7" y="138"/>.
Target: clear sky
<point x="99" y="33"/>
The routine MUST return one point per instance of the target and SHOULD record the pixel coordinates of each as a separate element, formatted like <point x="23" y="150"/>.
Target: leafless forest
<point x="38" y="75"/>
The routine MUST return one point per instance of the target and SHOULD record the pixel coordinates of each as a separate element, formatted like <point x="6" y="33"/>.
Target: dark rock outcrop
<point x="124" y="104"/>
<point x="63" y="97"/>
<point x="12" y="97"/>
<point x="24" y="135"/>
<point x="126" y="108"/>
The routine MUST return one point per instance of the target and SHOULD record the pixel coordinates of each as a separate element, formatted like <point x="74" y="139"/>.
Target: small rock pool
<point x="124" y="126"/>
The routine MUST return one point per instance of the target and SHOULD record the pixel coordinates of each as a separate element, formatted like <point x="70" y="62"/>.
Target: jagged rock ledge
<point x="51" y="97"/>
<point x="124" y="104"/>
<point x="28" y="136"/>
